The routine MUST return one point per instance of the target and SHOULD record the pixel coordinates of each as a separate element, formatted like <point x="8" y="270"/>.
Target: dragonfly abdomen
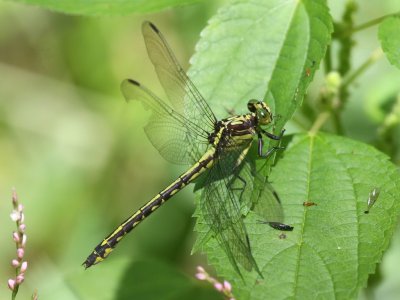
<point x="103" y="249"/>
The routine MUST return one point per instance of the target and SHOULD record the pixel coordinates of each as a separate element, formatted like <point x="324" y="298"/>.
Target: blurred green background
<point x="79" y="159"/>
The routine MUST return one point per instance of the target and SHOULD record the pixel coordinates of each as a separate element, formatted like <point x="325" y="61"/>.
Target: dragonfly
<point x="184" y="130"/>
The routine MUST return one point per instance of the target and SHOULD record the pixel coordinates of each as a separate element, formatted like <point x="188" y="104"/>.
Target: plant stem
<point x="336" y="122"/>
<point x="319" y="122"/>
<point x="372" y="23"/>
<point x="377" y="54"/>
<point x="328" y="60"/>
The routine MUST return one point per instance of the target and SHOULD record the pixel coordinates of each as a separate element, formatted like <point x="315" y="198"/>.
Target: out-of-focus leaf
<point x="390" y="287"/>
<point x="381" y="96"/>
<point x="334" y="245"/>
<point x="390" y="39"/>
<point x="147" y="280"/>
<point x="107" y="7"/>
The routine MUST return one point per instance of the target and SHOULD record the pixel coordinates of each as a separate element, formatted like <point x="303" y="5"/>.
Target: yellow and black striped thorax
<point x="234" y="131"/>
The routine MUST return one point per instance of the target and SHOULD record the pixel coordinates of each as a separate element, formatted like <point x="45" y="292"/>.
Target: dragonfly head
<point x="261" y="110"/>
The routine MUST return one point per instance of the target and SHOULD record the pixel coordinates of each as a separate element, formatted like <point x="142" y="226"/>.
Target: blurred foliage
<point x="79" y="159"/>
<point x="389" y="36"/>
<point x="107" y="7"/>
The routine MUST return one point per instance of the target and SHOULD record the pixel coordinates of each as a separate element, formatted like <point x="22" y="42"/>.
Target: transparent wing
<point x="221" y="208"/>
<point x="181" y="92"/>
<point x="267" y="204"/>
<point x="177" y="139"/>
<point x="259" y="195"/>
<point x="232" y="188"/>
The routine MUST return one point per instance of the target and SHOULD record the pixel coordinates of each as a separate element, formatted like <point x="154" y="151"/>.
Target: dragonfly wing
<point x="221" y="210"/>
<point x="259" y="195"/>
<point x="267" y="204"/>
<point x="181" y="92"/>
<point x="177" y="139"/>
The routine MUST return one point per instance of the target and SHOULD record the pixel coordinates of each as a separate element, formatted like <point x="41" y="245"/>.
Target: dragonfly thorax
<point x="261" y="110"/>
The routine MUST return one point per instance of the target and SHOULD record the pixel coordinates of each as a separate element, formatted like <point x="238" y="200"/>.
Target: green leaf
<point x="334" y="245"/>
<point x="107" y="7"/>
<point x="148" y="280"/>
<point x="263" y="50"/>
<point x="390" y="39"/>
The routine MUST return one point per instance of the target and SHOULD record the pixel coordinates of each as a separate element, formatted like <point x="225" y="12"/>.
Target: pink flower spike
<point x="16" y="237"/>
<point x="15" y="263"/>
<point x="20" y="278"/>
<point x="200" y="276"/>
<point x="20" y="207"/>
<point x="24" y="266"/>
<point x="200" y="269"/>
<point x="218" y="286"/>
<point x="22" y="228"/>
<point x="15" y="216"/>
<point x="20" y="253"/>
<point x="23" y="240"/>
<point x="11" y="284"/>
<point x="227" y="286"/>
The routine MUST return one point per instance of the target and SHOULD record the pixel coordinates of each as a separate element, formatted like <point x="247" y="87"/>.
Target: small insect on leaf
<point x="373" y="196"/>
<point x="309" y="69"/>
<point x="309" y="203"/>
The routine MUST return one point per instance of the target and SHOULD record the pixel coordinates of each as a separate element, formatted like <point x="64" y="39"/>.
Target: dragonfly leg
<point x="241" y="189"/>
<point x="230" y="111"/>
<point x="273" y="136"/>
<point x="270" y="151"/>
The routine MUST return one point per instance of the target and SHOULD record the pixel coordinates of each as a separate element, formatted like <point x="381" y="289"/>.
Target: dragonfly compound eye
<point x="252" y="105"/>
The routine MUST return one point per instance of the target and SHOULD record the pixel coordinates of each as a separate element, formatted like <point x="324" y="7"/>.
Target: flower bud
<point x="16" y="237"/>
<point x="200" y="269"/>
<point x="20" y="253"/>
<point x="22" y="227"/>
<point x="15" y="263"/>
<point x="15" y="216"/>
<point x="201" y="276"/>
<point x="218" y="286"/>
<point x="23" y="243"/>
<point x="227" y="286"/>
<point x="11" y="284"/>
<point x="20" y="278"/>
<point x="14" y="196"/>
<point x="24" y="266"/>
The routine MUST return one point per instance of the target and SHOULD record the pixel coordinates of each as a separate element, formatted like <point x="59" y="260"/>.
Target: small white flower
<point x="15" y="216"/>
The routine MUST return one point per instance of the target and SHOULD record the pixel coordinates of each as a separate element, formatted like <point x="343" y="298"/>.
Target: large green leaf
<point x="390" y="39"/>
<point x="263" y="50"/>
<point x="334" y="245"/>
<point x="107" y="7"/>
